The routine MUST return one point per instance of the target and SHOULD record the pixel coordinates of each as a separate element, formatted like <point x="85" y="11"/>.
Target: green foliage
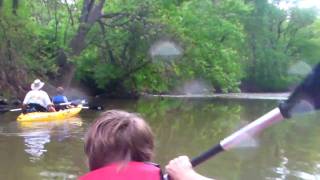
<point x="37" y="32"/>
<point x="121" y="52"/>
<point x="223" y="42"/>
<point x="213" y="36"/>
<point x="277" y="39"/>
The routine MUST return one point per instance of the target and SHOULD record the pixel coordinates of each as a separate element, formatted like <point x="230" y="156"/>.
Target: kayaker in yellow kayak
<point x="37" y="100"/>
<point x="60" y="101"/>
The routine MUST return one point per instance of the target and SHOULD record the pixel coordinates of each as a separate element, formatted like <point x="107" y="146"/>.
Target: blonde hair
<point x="118" y="136"/>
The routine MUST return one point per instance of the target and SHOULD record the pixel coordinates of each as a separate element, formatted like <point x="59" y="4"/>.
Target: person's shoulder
<point x="118" y="171"/>
<point x="144" y="166"/>
<point x="42" y="91"/>
<point x="29" y="92"/>
<point x="32" y="92"/>
<point x="97" y="174"/>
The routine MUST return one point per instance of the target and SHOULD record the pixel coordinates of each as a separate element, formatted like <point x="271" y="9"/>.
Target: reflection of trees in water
<point x="295" y="154"/>
<point x="189" y="126"/>
<point x="35" y="144"/>
<point x="54" y="149"/>
<point x="288" y="150"/>
<point x="37" y="134"/>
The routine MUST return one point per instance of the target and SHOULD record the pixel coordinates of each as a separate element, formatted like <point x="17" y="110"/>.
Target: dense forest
<point x="231" y="45"/>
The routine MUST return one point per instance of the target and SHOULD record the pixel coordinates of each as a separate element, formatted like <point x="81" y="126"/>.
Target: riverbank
<point x="265" y="96"/>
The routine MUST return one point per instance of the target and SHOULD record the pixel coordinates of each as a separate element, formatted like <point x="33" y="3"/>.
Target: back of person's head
<point x="118" y="136"/>
<point x="60" y="90"/>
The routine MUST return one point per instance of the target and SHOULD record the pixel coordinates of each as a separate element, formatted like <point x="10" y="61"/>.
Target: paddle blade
<point x="305" y="97"/>
<point x="14" y="110"/>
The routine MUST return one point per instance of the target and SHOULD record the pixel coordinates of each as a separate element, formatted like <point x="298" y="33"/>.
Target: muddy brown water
<point x="288" y="150"/>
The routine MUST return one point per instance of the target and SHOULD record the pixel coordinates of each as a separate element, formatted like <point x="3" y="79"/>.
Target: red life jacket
<point x="129" y="171"/>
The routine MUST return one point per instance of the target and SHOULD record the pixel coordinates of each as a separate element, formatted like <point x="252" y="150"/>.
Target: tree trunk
<point x="91" y="13"/>
<point x="15" y="4"/>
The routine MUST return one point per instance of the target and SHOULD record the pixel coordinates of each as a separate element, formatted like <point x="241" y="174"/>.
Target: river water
<point x="287" y="150"/>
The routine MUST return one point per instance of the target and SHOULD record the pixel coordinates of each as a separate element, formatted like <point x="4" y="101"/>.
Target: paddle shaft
<point x="234" y="139"/>
<point x="308" y="91"/>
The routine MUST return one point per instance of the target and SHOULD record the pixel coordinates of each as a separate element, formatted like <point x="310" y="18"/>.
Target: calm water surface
<point x="288" y="150"/>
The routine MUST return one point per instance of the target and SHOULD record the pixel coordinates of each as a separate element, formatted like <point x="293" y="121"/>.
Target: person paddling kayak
<point x="37" y="100"/>
<point x="180" y="168"/>
<point x="60" y="97"/>
<point x="60" y="101"/>
<point x="119" y="146"/>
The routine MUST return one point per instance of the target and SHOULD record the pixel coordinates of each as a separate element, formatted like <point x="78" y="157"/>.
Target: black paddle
<point x="305" y="98"/>
<point x="91" y="107"/>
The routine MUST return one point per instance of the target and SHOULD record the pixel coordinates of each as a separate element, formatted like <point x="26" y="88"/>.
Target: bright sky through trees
<point x="300" y="3"/>
<point x="309" y="3"/>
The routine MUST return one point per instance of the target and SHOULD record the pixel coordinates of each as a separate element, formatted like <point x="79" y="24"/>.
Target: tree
<point x="213" y="35"/>
<point x="275" y="37"/>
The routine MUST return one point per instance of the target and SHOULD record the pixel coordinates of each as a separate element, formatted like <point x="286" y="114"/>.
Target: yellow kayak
<point x="27" y="126"/>
<point x="49" y="116"/>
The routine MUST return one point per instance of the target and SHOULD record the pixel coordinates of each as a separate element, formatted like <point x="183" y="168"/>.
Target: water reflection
<point x="287" y="150"/>
<point x="35" y="144"/>
<point x="295" y="153"/>
<point x="190" y="122"/>
<point x="37" y="134"/>
<point x="192" y="126"/>
<point x="57" y="175"/>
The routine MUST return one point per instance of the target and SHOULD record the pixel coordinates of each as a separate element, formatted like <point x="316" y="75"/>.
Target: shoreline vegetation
<point x="253" y="96"/>
<point x="5" y="102"/>
<point x="156" y="46"/>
